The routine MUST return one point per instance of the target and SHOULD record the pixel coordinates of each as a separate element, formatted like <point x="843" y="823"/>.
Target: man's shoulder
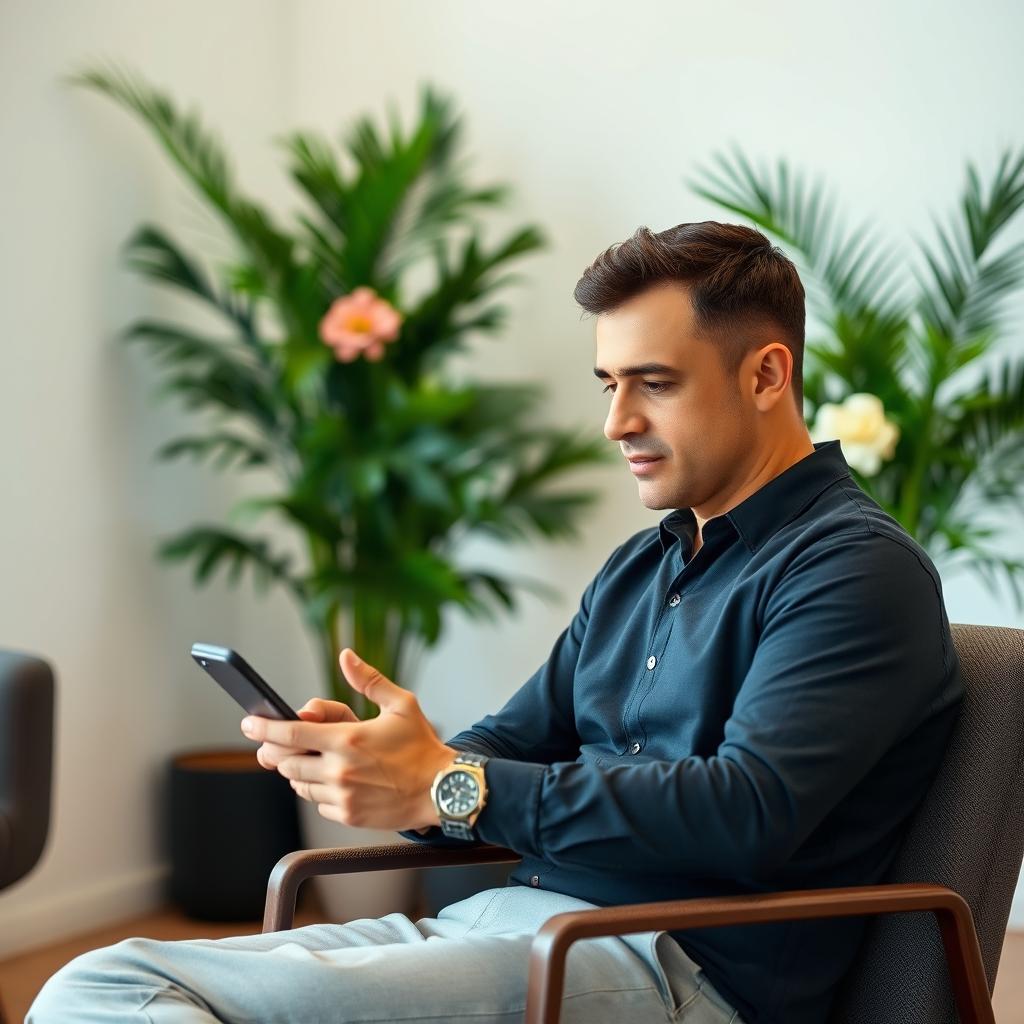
<point x="845" y="525"/>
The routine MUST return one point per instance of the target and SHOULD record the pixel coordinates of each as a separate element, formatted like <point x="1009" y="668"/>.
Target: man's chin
<point x="652" y="499"/>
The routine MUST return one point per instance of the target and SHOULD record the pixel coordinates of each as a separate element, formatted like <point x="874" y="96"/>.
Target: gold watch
<point x="459" y="793"/>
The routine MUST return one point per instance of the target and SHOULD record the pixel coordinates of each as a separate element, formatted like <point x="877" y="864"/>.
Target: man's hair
<point x="738" y="283"/>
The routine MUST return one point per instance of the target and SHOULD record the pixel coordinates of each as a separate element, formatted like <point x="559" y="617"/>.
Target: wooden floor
<point x="22" y="976"/>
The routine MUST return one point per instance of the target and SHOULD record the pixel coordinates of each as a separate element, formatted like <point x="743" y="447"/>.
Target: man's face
<point x="695" y="417"/>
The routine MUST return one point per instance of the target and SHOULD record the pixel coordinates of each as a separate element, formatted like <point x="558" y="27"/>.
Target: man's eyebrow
<point x="636" y="371"/>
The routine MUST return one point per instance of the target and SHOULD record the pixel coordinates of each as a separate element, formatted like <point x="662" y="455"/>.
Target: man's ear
<point x="773" y="372"/>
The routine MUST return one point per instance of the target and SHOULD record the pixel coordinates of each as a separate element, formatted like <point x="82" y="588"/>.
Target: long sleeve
<point x="537" y="723"/>
<point x="851" y="658"/>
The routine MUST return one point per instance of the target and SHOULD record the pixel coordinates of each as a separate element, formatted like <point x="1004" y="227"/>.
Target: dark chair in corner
<point x="959" y="861"/>
<point x="26" y="763"/>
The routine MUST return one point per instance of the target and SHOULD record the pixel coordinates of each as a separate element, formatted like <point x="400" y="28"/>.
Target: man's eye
<point x="657" y="387"/>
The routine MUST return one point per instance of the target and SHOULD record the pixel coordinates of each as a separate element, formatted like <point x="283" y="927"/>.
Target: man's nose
<point x="622" y="420"/>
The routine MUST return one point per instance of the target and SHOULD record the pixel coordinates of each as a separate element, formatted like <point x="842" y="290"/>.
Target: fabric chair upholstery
<point x="26" y="761"/>
<point x="968" y="835"/>
<point x="26" y="764"/>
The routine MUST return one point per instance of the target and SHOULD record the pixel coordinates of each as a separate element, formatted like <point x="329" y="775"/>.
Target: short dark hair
<point x="736" y="279"/>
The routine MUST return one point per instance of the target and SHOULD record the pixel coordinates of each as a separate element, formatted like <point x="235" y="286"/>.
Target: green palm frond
<point x="151" y="252"/>
<point x="963" y="295"/>
<point x="213" y="547"/>
<point x="417" y="583"/>
<point x="483" y="583"/>
<point x="857" y="273"/>
<point x="997" y="571"/>
<point x="386" y="173"/>
<point x="299" y="510"/>
<point x="229" y="449"/>
<point x="991" y="412"/>
<point x="200" y="157"/>
<point x="316" y="171"/>
<point x="434" y="329"/>
<point x="173" y="345"/>
<point x="209" y="373"/>
<point x="404" y="193"/>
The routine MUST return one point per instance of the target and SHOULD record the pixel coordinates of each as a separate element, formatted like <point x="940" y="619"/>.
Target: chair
<point x="959" y="861"/>
<point x="26" y="763"/>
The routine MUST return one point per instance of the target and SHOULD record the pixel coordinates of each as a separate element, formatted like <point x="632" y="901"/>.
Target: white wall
<point x="595" y="113"/>
<point x="83" y="502"/>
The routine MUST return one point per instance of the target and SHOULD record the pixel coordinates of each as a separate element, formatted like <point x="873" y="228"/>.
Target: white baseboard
<point x="61" y="916"/>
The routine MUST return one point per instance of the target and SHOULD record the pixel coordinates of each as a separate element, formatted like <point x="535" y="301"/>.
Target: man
<point x="753" y="696"/>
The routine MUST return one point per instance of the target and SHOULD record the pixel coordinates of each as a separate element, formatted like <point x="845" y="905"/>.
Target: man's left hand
<point x="372" y="774"/>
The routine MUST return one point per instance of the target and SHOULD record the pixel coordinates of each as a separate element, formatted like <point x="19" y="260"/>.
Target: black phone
<point x="242" y="682"/>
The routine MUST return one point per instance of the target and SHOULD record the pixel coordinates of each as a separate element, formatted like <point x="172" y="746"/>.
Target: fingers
<point x="319" y="710"/>
<point x="314" y="792"/>
<point x="300" y="733"/>
<point x="270" y="754"/>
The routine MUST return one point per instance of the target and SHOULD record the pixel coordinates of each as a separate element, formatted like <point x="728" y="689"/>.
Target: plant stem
<point x="325" y="633"/>
<point x="910" y="498"/>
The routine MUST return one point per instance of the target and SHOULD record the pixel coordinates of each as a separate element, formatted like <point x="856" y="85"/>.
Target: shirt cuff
<point x="509" y="817"/>
<point x="433" y="837"/>
<point x="512" y="811"/>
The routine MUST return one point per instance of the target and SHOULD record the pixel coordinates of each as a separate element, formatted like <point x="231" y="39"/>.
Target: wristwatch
<point x="459" y="793"/>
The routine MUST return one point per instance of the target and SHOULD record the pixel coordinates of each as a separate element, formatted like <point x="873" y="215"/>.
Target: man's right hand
<point x="270" y="755"/>
<point x="317" y="709"/>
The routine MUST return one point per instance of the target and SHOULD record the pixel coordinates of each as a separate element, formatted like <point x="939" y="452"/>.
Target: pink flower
<point x="360" y="322"/>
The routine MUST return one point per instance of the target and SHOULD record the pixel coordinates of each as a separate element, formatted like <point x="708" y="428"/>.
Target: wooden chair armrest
<point x="959" y="938"/>
<point x="294" y="868"/>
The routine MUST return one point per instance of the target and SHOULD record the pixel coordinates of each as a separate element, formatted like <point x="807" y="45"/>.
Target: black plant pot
<point x="229" y="821"/>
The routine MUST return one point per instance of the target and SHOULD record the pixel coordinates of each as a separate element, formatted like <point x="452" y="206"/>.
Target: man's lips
<point x="641" y="465"/>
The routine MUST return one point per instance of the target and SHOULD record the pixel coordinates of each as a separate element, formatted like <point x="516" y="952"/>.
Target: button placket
<point x="658" y="639"/>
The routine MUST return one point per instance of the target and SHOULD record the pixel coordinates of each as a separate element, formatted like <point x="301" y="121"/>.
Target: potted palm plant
<point x="904" y="371"/>
<point x="331" y="375"/>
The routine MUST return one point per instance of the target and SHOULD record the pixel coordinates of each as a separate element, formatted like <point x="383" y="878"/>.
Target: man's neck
<point x="766" y="468"/>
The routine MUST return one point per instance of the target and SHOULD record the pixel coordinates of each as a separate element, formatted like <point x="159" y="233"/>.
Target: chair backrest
<point x="26" y="761"/>
<point x="968" y="834"/>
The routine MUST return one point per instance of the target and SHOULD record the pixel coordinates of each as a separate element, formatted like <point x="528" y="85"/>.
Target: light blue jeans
<point x="470" y="962"/>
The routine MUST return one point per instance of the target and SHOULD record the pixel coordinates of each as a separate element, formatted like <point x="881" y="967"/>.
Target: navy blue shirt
<point x="763" y="715"/>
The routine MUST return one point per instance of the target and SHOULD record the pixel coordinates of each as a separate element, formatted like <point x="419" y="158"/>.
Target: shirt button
<point x="652" y="661"/>
<point x="635" y="748"/>
<point x="673" y="600"/>
<point x="534" y="880"/>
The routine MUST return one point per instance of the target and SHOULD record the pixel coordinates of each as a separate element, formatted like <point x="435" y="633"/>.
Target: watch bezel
<point x="462" y="825"/>
<point x="459" y="815"/>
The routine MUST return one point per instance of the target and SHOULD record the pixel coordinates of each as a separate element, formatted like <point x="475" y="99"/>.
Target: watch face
<point x="458" y="793"/>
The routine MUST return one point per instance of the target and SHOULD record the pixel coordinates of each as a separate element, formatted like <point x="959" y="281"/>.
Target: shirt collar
<point x="767" y="510"/>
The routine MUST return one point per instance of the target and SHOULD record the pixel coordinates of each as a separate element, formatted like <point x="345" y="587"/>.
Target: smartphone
<point x="242" y="682"/>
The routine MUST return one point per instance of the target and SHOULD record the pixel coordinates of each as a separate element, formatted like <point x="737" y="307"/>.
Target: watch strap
<point x="471" y="757"/>
<point x="457" y="829"/>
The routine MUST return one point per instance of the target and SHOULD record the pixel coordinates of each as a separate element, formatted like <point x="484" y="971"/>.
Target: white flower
<point x="864" y="434"/>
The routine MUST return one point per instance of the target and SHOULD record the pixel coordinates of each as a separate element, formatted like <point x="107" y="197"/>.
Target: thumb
<point x="372" y="683"/>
